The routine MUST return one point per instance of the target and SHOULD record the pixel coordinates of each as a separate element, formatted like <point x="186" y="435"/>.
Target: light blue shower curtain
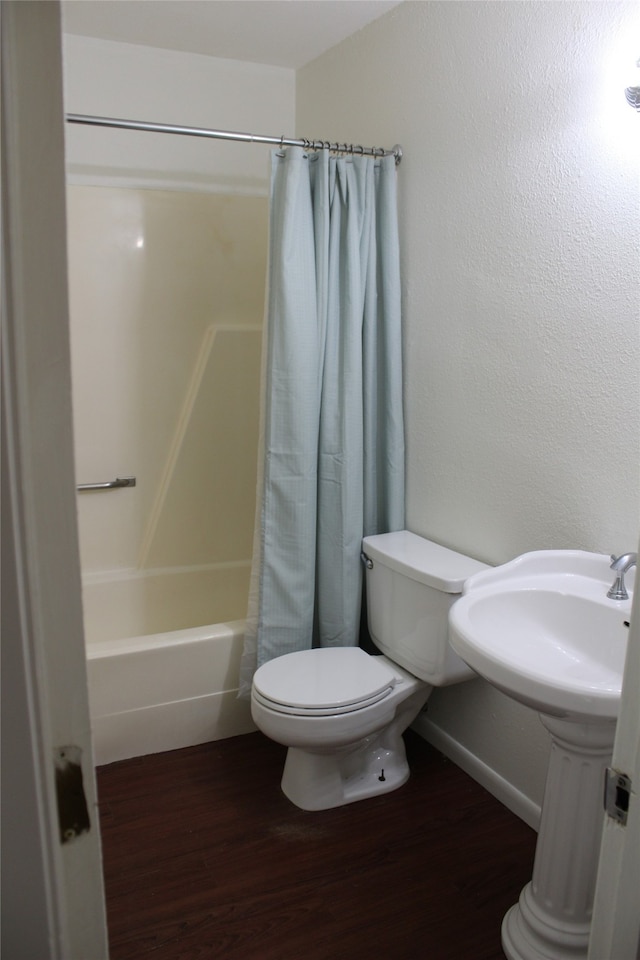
<point x="332" y="468"/>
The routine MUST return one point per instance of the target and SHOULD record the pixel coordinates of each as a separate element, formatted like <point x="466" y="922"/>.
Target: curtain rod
<point x="283" y="141"/>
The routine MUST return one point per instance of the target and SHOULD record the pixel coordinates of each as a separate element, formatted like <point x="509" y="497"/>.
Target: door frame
<point x="615" y="925"/>
<point x="52" y="894"/>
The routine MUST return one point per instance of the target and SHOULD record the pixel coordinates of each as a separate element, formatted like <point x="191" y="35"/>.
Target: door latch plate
<point x="617" y="792"/>
<point x="73" y="814"/>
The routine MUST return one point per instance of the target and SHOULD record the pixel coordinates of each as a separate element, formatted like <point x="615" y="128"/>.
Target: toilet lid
<point x="323" y="682"/>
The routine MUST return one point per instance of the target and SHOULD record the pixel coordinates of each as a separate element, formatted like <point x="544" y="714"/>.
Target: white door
<point x="52" y="893"/>
<point x="615" y="929"/>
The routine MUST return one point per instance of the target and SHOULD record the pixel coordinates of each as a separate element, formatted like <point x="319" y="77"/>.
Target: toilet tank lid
<point x="422" y="560"/>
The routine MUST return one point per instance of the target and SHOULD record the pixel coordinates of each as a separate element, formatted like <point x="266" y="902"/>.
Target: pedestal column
<point x="552" y="919"/>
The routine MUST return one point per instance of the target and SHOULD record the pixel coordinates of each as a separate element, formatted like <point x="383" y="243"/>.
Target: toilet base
<point x="319" y="781"/>
<point x="338" y="759"/>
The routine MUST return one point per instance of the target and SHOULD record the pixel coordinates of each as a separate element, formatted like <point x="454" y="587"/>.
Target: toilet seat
<point x="325" y="682"/>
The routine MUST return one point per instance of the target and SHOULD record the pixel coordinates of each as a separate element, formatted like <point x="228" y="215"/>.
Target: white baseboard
<point x="170" y="726"/>
<point x="486" y="776"/>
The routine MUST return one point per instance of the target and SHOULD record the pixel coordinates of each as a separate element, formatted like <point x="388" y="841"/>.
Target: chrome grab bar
<point x="109" y="485"/>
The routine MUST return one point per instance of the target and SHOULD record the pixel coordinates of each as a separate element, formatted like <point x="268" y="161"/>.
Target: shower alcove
<point x="166" y="306"/>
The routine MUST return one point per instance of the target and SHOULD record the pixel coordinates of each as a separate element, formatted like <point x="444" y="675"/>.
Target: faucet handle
<point x="624" y="562"/>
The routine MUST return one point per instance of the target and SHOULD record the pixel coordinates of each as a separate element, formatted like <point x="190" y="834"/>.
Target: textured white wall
<point x="520" y="229"/>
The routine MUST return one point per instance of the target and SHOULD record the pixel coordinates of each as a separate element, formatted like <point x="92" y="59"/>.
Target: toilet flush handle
<point x="368" y="562"/>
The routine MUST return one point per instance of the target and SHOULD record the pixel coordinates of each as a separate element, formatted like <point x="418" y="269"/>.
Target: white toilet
<point x="341" y="711"/>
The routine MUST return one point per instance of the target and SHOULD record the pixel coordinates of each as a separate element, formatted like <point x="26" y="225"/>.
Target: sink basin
<point x="542" y="629"/>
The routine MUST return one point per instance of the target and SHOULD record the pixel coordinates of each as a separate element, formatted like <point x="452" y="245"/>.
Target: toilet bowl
<point x="343" y="723"/>
<point x="341" y="711"/>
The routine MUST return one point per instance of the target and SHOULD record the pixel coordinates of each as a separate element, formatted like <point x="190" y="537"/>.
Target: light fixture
<point x="633" y="94"/>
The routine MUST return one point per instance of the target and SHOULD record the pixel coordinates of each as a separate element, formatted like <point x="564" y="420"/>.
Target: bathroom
<point x="521" y="366"/>
<point x="518" y="210"/>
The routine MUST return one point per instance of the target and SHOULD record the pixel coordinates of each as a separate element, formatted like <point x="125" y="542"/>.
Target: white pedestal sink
<point x="542" y="629"/>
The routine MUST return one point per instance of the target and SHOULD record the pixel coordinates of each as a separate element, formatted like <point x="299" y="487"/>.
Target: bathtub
<point x="152" y="690"/>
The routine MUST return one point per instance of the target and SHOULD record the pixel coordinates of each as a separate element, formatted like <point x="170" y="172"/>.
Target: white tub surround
<point x="122" y="604"/>
<point x="161" y="692"/>
<point x="158" y="678"/>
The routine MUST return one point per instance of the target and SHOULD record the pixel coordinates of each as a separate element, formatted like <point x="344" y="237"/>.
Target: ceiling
<point x="283" y="33"/>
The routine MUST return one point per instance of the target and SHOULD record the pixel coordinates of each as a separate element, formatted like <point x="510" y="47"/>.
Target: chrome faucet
<point x="621" y="565"/>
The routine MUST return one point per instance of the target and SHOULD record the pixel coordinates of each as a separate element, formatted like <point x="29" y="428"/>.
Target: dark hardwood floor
<point x="204" y="857"/>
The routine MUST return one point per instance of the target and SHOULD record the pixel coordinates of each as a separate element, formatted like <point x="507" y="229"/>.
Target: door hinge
<point x="617" y="791"/>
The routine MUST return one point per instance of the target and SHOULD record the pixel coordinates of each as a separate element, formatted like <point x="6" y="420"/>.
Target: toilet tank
<point x="411" y="585"/>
